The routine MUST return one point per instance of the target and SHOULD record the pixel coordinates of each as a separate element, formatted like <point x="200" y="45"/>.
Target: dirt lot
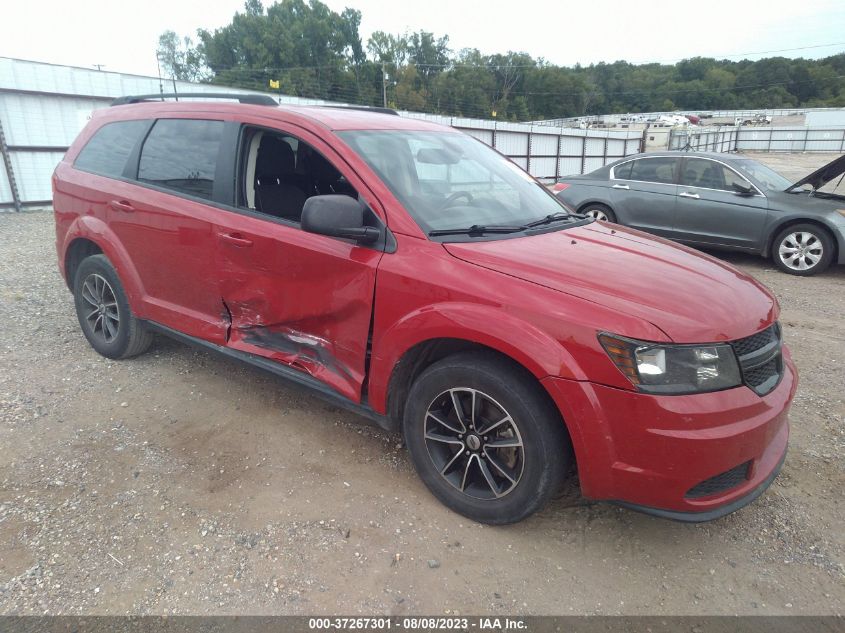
<point x="180" y="482"/>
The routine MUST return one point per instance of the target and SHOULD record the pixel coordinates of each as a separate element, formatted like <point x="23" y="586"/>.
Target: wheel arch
<point x="786" y="223"/>
<point x="424" y="354"/>
<point x="78" y="249"/>
<point x="430" y="334"/>
<point x="90" y="236"/>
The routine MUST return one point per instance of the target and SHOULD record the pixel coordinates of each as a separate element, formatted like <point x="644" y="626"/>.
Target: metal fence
<point x="760" y="139"/>
<point x="44" y="106"/>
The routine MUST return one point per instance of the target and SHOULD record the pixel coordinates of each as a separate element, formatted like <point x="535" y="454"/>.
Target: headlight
<point x="673" y="369"/>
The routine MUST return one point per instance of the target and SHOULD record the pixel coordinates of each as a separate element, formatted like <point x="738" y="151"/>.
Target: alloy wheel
<point x="474" y="443"/>
<point x="598" y="214"/>
<point x="800" y="250"/>
<point x="102" y="314"/>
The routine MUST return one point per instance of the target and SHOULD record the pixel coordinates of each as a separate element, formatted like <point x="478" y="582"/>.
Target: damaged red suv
<point x="410" y="273"/>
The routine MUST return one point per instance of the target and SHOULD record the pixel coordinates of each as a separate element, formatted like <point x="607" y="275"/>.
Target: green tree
<point x="179" y="58"/>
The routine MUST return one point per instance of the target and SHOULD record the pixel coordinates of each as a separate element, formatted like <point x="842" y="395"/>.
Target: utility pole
<point x="160" y="84"/>
<point x="98" y="66"/>
<point x="383" y="84"/>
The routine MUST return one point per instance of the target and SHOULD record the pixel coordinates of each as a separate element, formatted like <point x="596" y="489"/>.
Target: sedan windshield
<point x="765" y="176"/>
<point x="449" y="181"/>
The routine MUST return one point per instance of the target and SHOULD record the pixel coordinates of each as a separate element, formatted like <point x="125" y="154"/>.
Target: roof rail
<point x="364" y="108"/>
<point x="251" y="99"/>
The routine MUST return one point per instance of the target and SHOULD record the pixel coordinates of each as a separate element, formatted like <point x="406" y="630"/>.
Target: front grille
<point x="724" y="481"/>
<point x="760" y="359"/>
<point x="754" y="342"/>
<point x="759" y="375"/>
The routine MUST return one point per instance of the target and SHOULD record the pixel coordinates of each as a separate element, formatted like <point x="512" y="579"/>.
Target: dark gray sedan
<point x="720" y="201"/>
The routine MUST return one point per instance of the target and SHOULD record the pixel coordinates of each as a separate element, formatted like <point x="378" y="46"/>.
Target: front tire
<point x="103" y="311"/>
<point x="803" y="249"/>
<point x="485" y="439"/>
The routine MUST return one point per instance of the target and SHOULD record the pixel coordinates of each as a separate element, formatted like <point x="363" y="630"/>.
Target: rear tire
<point x="803" y="249"/>
<point x="103" y="311"/>
<point x="599" y="212"/>
<point x="503" y="456"/>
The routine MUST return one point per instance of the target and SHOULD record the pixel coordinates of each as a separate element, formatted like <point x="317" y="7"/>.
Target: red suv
<point x="412" y="274"/>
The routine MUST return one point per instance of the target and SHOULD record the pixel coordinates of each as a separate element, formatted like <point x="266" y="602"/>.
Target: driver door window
<point x="709" y="174"/>
<point x="281" y="172"/>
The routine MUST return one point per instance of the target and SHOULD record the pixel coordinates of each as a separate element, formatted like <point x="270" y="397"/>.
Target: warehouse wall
<point x="44" y="106"/>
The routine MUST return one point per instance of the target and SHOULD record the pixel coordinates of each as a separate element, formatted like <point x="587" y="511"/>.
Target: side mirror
<point x="337" y="216"/>
<point x="743" y="190"/>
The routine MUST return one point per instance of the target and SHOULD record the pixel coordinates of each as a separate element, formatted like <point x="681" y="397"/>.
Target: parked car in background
<point x="412" y="274"/>
<point x="722" y="201"/>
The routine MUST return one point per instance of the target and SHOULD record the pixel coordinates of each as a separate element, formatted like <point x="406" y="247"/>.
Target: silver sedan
<point x="720" y="201"/>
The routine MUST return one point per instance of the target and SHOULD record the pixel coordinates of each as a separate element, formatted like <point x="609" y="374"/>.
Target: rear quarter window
<point x="181" y="154"/>
<point x="623" y="171"/>
<point x="107" y="151"/>
<point x="660" y="170"/>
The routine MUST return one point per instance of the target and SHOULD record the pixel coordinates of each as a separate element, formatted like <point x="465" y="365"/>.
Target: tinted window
<point x="623" y="171"/>
<point x="654" y="170"/>
<point x="181" y="154"/>
<point x="108" y="149"/>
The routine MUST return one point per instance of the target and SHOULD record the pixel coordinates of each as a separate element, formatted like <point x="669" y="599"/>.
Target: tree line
<point x="308" y="50"/>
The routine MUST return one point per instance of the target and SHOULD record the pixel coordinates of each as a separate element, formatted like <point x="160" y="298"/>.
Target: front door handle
<point x="121" y="205"/>
<point x="687" y="194"/>
<point x="236" y="239"/>
<point x="621" y="187"/>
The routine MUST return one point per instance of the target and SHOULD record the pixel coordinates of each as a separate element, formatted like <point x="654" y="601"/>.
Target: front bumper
<point x="650" y="452"/>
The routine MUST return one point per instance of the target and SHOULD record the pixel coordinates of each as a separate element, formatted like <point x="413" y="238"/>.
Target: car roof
<point x="333" y="118"/>
<point x="723" y="156"/>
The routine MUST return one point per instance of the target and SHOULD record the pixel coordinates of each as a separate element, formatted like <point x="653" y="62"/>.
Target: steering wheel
<point x="454" y="197"/>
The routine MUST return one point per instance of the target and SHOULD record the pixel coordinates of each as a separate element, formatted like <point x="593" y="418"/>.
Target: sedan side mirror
<point x="337" y="216"/>
<point x="743" y="190"/>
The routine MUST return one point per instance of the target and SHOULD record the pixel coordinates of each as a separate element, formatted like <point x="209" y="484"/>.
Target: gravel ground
<point x="180" y="482"/>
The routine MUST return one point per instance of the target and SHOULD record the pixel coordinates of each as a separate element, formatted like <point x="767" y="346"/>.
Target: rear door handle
<point x="686" y="194"/>
<point x="121" y="205"/>
<point x="621" y="187"/>
<point x="235" y="238"/>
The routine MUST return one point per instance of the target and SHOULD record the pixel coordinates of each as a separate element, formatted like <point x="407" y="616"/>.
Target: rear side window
<point x="623" y="171"/>
<point x="660" y="170"/>
<point x="181" y="154"/>
<point x="107" y="151"/>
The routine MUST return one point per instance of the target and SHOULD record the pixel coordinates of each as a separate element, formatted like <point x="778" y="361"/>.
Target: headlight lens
<point x="673" y="369"/>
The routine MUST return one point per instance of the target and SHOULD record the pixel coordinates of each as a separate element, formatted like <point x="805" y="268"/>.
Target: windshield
<point x="449" y="180"/>
<point x="765" y="176"/>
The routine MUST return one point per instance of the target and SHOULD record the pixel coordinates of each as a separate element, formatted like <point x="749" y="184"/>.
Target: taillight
<point x="560" y="186"/>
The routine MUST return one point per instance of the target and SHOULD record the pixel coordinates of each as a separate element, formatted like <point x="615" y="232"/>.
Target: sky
<point x="122" y="36"/>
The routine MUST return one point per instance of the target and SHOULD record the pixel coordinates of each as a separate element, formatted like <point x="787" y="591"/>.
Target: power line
<point x="346" y="65"/>
<point x="718" y="57"/>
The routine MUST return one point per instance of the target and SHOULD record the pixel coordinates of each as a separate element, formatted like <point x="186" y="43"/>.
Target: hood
<point x="822" y="176"/>
<point x="692" y="297"/>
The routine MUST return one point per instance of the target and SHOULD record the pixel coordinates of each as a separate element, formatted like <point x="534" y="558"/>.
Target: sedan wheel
<point x="803" y="250"/>
<point x="599" y="212"/>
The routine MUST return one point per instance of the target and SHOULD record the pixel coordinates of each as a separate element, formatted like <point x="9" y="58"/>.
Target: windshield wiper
<point x="554" y="217"/>
<point x="479" y="229"/>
